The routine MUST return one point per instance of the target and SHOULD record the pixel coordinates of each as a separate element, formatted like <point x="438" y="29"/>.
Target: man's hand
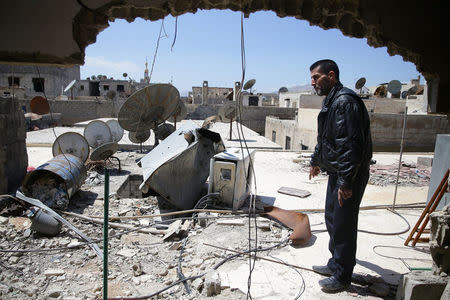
<point x="313" y="171"/>
<point x="343" y="194"/>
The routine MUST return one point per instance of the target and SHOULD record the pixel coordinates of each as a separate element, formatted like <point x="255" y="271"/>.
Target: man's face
<point x="321" y="82"/>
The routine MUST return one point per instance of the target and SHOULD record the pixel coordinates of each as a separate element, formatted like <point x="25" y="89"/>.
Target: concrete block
<point x="212" y="283"/>
<point x="446" y="294"/>
<point x="424" y="161"/>
<point x="419" y="285"/>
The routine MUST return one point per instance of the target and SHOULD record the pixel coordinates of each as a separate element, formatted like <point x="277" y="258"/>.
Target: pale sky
<point x="279" y="52"/>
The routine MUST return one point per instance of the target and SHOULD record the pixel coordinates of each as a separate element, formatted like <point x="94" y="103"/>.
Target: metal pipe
<point x="401" y="154"/>
<point x="105" y="236"/>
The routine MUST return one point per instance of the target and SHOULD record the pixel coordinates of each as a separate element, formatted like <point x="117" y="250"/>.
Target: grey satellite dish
<point x="404" y="94"/>
<point x="70" y="85"/>
<point x="227" y="113"/>
<point x="139" y="137"/>
<point x="148" y="107"/>
<point x="71" y="143"/>
<point x="125" y="75"/>
<point x="283" y="89"/>
<point x="164" y="130"/>
<point x="394" y="87"/>
<point x="249" y="84"/>
<point x="116" y="130"/>
<point x="97" y="133"/>
<point x="104" y="151"/>
<point x="179" y="114"/>
<point x="360" y="83"/>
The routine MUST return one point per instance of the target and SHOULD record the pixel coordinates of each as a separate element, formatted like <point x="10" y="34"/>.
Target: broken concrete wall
<point x="13" y="152"/>
<point x="441" y="162"/>
<point x="440" y="241"/>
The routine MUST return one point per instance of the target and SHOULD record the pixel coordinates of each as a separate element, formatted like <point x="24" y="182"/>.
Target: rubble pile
<point x="94" y="178"/>
<point x="50" y="192"/>
<point x="410" y="175"/>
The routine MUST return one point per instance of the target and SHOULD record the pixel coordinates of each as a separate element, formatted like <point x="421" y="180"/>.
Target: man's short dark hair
<point x="325" y="66"/>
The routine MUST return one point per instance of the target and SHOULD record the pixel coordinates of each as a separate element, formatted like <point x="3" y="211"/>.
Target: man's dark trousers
<point x="342" y="225"/>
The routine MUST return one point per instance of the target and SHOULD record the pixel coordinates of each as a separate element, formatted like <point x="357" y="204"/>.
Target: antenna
<point x="97" y="133"/>
<point x="70" y="87"/>
<point x="71" y="143"/>
<point x="394" y="87"/>
<point x="249" y="84"/>
<point x="164" y="130"/>
<point x="360" y="84"/>
<point x="283" y="89"/>
<point x="139" y="137"/>
<point x="209" y="121"/>
<point x="227" y="113"/>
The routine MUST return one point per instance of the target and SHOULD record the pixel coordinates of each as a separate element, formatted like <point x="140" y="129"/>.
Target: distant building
<point x="29" y="81"/>
<point x="209" y="95"/>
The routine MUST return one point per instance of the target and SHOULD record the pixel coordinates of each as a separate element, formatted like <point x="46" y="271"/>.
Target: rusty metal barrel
<point x="65" y="168"/>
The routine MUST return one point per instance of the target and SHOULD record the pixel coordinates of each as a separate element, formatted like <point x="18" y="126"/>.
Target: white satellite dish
<point x="104" y="151"/>
<point x="70" y="85"/>
<point x="394" y="87"/>
<point x="71" y="143"/>
<point x="97" y="133"/>
<point x="116" y="130"/>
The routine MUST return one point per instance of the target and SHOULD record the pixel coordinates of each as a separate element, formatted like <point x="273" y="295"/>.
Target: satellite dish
<point x="249" y="84"/>
<point x="111" y="95"/>
<point x="227" y="112"/>
<point x="164" y="130"/>
<point x="139" y="137"/>
<point x="71" y="143"/>
<point x="179" y="113"/>
<point x="97" y="133"/>
<point x="148" y="107"/>
<point x="380" y="91"/>
<point x="125" y="75"/>
<point x="70" y="85"/>
<point x="39" y="105"/>
<point x="104" y="151"/>
<point x="394" y="87"/>
<point x="116" y="130"/>
<point x="209" y="121"/>
<point x="404" y="94"/>
<point x="283" y="89"/>
<point x="360" y="83"/>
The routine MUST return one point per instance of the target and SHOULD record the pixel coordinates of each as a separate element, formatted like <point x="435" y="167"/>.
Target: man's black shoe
<point x="322" y="270"/>
<point x="332" y="285"/>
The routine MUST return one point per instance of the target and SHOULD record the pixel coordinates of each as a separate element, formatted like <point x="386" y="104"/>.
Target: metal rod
<point x="259" y="257"/>
<point x="401" y="154"/>
<point x="231" y="126"/>
<point x="175" y="117"/>
<point x="105" y="235"/>
<point x="118" y="160"/>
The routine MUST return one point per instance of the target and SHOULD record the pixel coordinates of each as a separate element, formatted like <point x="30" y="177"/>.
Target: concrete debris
<point x="173" y="230"/>
<point x="137" y="270"/>
<point x="423" y="161"/>
<point x="175" y="246"/>
<point x="231" y="222"/>
<point x="212" y="283"/>
<point x="418" y="285"/>
<point x="95" y="178"/>
<point x="127" y="252"/>
<point x="197" y="284"/>
<point x="20" y="223"/>
<point x="50" y="193"/>
<point x="440" y="241"/>
<point x="54" y="272"/>
<point x="410" y="175"/>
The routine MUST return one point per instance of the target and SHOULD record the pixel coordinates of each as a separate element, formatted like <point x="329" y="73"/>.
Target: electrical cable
<point x="179" y="270"/>
<point x="302" y="286"/>
<point x="175" y="34"/>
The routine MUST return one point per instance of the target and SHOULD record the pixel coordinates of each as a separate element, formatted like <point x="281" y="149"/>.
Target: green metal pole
<point x="105" y="236"/>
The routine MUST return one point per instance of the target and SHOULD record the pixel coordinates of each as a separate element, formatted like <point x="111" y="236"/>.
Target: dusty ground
<point x="142" y="263"/>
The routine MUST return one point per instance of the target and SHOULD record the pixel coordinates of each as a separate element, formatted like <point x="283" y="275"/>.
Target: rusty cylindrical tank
<point x="67" y="168"/>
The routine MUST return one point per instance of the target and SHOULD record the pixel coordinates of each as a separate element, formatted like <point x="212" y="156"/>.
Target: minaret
<point x="146" y="78"/>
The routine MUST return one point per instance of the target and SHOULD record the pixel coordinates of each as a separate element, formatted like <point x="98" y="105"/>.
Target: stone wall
<point x="55" y="78"/>
<point x="13" y="153"/>
<point x="254" y="117"/>
<point x="420" y="133"/>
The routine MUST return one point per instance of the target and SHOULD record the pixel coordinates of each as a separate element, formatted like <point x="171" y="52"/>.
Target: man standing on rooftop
<point x="344" y="151"/>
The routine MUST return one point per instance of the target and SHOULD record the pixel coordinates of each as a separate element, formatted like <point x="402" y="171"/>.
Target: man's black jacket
<point x="344" y="143"/>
